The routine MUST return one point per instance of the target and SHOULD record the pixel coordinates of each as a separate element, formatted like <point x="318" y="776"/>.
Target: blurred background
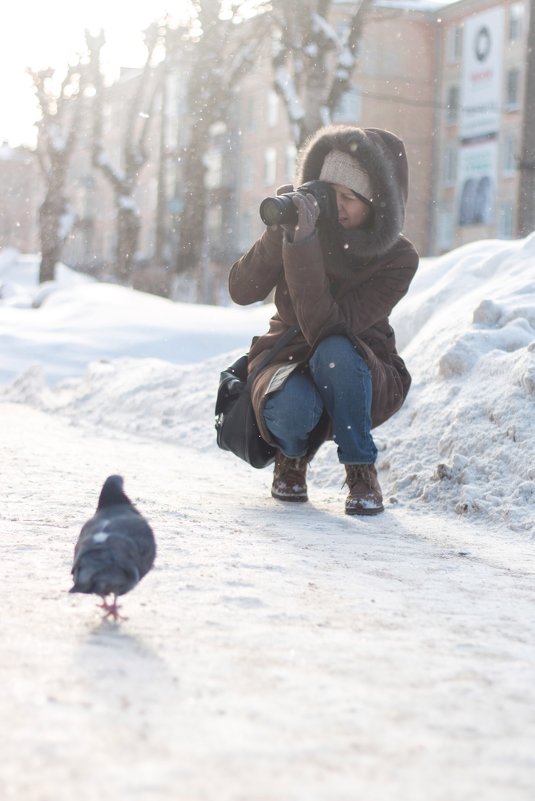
<point x="138" y="140"/>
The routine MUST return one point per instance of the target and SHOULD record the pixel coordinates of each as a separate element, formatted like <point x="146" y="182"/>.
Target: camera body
<point x="281" y="210"/>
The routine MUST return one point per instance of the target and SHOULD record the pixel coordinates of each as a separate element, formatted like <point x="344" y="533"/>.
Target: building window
<point x="505" y="221"/>
<point x="512" y="90"/>
<point x="516" y="20"/>
<point x="247" y="173"/>
<point x="218" y="129"/>
<point x="289" y="170"/>
<point x="452" y="105"/>
<point x="214" y="218"/>
<point x="213" y="161"/>
<point x="249" y="114"/>
<point x="349" y="107"/>
<point x="449" y="166"/>
<point x="342" y="29"/>
<point x="454" y="42"/>
<point x="510" y="154"/>
<point x="272" y="109"/>
<point x="270" y="166"/>
<point x="445" y="229"/>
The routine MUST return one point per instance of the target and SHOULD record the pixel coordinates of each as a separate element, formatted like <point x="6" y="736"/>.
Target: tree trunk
<point x="128" y="228"/>
<point x="55" y="222"/>
<point x="526" y="162"/>
<point x="192" y="223"/>
<point x="134" y="136"/>
<point x="56" y="141"/>
<point x="50" y="214"/>
<point x="160" y="244"/>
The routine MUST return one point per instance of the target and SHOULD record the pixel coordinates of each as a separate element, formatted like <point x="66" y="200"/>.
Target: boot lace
<point x="357" y="472"/>
<point x="291" y="469"/>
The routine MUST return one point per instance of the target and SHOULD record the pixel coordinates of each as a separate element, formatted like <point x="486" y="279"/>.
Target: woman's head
<point x="371" y="162"/>
<point x="351" y="184"/>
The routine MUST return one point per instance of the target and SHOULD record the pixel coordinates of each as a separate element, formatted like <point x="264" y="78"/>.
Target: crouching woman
<point x="337" y="276"/>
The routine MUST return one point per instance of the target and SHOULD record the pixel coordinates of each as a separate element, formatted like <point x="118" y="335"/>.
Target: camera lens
<point x="277" y="210"/>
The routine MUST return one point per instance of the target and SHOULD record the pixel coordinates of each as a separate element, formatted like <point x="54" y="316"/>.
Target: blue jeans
<point x="339" y="381"/>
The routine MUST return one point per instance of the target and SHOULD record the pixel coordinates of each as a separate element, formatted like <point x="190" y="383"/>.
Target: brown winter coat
<point x="336" y="281"/>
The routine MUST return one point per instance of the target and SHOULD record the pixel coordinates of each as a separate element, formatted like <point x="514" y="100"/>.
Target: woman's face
<point x="352" y="211"/>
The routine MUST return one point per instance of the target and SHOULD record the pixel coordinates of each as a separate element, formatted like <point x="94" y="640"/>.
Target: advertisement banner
<point x="478" y="174"/>
<point x="481" y="87"/>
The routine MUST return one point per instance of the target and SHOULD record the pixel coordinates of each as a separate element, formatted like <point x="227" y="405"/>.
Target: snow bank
<point x="465" y="439"/>
<point x="19" y="280"/>
<point x="463" y="443"/>
<point x="65" y="325"/>
<point x="149" y="397"/>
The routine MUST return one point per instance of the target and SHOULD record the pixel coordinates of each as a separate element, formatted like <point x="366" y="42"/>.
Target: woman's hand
<point x="308" y="212"/>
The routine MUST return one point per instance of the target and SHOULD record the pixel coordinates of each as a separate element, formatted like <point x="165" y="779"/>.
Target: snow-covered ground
<point x="273" y="654"/>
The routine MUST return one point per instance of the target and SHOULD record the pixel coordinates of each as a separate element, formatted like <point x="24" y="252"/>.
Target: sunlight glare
<point x="40" y="34"/>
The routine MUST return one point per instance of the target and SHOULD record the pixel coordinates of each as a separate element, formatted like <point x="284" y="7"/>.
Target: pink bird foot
<point x="111" y="610"/>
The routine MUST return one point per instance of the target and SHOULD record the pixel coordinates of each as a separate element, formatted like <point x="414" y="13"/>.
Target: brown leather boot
<point x="289" y="478"/>
<point x="365" y="497"/>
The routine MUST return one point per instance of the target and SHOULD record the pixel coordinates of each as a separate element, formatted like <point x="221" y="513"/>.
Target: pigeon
<point x="115" y="548"/>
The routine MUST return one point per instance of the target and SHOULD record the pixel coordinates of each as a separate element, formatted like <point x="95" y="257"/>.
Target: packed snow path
<point x="273" y="654"/>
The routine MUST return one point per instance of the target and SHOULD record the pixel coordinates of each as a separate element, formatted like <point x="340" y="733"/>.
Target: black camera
<point x="281" y="209"/>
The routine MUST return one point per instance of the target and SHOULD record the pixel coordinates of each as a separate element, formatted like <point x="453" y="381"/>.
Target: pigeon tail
<point x="112" y="493"/>
<point x="93" y="575"/>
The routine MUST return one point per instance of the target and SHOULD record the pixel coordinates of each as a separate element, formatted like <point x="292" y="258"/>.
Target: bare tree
<point x="218" y="52"/>
<point x="124" y="178"/>
<point x="312" y="62"/>
<point x="58" y="129"/>
<point x="526" y="161"/>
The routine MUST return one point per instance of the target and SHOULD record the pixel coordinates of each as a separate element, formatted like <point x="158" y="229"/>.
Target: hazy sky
<point x="42" y="33"/>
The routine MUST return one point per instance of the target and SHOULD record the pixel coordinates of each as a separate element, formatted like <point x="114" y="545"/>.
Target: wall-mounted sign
<point x="482" y="76"/>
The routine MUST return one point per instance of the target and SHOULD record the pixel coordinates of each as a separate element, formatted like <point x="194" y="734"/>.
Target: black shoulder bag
<point x="236" y="426"/>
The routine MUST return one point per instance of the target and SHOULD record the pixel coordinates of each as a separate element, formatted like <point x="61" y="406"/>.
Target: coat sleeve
<point x="252" y="277"/>
<point x="319" y="314"/>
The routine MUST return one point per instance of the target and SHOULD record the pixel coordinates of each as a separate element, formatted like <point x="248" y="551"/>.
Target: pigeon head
<point x="112" y="493"/>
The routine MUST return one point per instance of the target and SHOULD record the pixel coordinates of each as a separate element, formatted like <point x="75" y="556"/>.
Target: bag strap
<point x="272" y="352"/>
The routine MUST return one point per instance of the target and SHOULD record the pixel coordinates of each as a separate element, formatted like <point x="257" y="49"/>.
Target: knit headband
<point x="341" y="168"/>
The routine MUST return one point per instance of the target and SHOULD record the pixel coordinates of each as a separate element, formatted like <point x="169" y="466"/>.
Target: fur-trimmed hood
<point x="382" y="155"/>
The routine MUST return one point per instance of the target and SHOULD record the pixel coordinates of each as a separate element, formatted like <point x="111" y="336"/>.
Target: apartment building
<point x="481" y="65"/>
<point x="393" y="87"/>
<point x="449" y="80"/>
